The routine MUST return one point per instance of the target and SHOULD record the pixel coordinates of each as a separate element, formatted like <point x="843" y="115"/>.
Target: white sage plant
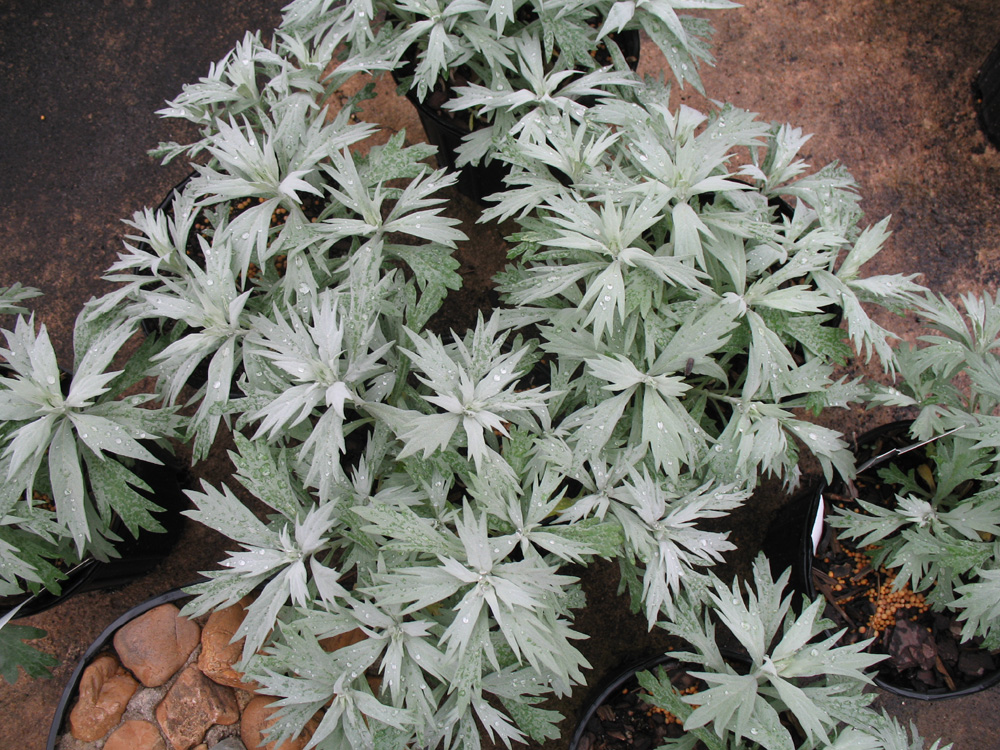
<point x="282" y="210"/>
<point x="71" y="436"/>
<point x="793" y="666"/>
<point x="685" y="287"/>
<point x="940" y="533"/>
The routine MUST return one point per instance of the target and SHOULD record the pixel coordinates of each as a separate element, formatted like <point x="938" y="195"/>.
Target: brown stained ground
<point x="883" y="84"/>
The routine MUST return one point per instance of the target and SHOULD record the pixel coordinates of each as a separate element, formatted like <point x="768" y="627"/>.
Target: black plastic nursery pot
<point x="818" y="560"/>
<point x="621" y="696"/>
<point x="986" y="91"/>
<point x="101" y="644"/>
<point x="474" y="181"/>
<point x="137" y="556"/>
<point x="447" y="132"/>
<point x="615" y="715"/>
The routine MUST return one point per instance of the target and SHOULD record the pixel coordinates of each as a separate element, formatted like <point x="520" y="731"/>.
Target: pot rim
<point x="138" y="556"/>
<point x="612" y="685"/>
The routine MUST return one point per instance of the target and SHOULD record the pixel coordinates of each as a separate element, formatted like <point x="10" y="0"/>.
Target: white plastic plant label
<point x="817" y="529"/>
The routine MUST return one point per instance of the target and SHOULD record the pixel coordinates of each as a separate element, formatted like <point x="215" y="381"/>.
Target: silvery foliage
<point x="270" y="149"/>
<point x="882" y="732"/>
<point x="681" y="288"/>
<point x="793" y="666"/>
<point x="47" y="450"/>
<point x="941" y="534"/>
<point x="12" y="296"/>
<point x="509" y="106"/>
<point x="420" y="493"/>
<point x="448" y="571"/>
<point x="435" y="37"/>
<point x="72" y="437"/>
<point x="426" y="489"/>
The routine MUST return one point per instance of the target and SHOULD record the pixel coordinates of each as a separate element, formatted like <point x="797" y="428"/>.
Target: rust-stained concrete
<point x="883" y="84"/>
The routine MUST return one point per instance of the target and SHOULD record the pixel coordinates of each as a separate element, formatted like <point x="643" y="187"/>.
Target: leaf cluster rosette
<point x="681" y="283"/>
<point x="69" y="445"/>
<point x="939" y="533"/>
<point x="215" y="264"/>
<point x="662" y="335"/>
<point x="488" y="39"/>
<point x="789" y="687"/>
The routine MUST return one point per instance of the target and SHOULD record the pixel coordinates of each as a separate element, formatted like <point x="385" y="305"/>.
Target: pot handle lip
<point x="876" y="460"/>
<point x="99" y="643"/>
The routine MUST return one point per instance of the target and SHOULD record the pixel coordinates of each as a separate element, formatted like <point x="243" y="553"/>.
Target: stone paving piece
<point x="105" y="690"/>
<point x="218" y="654"/>
<point x="136" y="735"/>
<point x="343" y="640"/>
<point x="192" y="705"/>
<point x="156" y="644"/>
<point x="256" y="720"/>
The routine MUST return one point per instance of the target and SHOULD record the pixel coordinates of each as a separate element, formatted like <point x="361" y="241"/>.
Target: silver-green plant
<point x="72" y="447"/>
<point x="430" y="543"/>
<point x="72" y="436"/>
<point x="792" y="667"/>
<point x="429" y="490"/>
<point x="494" y="67"/>
<point x="940" y="534"/>
<point x="236" y="242"/>
<point x="438" y="37"/>
<point x="681" y="284"/>
<point x="12" y="296"/>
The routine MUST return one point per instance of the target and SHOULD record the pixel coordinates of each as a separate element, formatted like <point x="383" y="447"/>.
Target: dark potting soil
<point x="626" y="721"/>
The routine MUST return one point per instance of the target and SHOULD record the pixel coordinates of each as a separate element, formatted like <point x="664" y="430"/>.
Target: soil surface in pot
<point x="626" y="721"/>
<point x="925" y="648"/>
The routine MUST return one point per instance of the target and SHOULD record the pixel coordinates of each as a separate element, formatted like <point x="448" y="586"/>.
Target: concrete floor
<point x="883" y="84"/>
